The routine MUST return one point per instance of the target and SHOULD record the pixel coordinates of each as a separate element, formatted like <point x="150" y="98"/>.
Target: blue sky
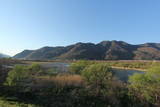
<point x="31" y="24"/>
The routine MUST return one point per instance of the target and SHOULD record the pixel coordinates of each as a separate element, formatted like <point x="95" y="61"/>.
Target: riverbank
<point x="126" y="68"/>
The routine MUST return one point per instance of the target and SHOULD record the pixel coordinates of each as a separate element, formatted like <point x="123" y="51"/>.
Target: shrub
<point x="98" y="77"/>
<point x="17" y="76"/>
<point x="147" y="86"/>
<point x="22" y="75"/>
<point x="78" y="66"/>
<point x="35" y="69"/>
<point x="51" y="72"/>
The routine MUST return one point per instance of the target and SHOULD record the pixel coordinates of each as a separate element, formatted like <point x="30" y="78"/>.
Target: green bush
<point x="79" y="66"/>
<point x="17" y="76"/>
<point x="147" y="86"/>
<point x="98" y="77"/>
<point x="22" y="75"/>
<point x="35" y="69"/>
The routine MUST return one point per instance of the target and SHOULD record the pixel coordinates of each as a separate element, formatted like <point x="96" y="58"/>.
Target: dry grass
<point x="70" y="80"/>
<point x="58" y="81"/>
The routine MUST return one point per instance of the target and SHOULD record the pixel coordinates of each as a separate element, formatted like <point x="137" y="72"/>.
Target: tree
<point x="22" y="75"/>
<point x="98" y="77"/>
<point x="79" y="66"/>
<point x="35" y="69"/>
<point x="17" y="76"/>
<point x="147" y="86"/>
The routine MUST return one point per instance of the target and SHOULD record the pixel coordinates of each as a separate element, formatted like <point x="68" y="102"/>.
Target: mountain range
<point x="105" y="50"/>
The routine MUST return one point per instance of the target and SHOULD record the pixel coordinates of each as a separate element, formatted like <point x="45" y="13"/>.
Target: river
<point x="123" y="74"/>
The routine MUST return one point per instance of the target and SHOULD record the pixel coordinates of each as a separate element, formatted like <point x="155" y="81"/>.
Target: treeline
<point x="87" y="84"/>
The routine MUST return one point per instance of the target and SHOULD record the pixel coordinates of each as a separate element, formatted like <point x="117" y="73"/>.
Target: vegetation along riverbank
<point x="85" y="84"/>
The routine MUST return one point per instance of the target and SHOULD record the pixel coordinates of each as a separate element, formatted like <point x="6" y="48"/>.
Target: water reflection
<point x="123" y="75"/>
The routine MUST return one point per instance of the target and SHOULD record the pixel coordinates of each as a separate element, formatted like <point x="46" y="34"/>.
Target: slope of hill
<point x="105" y="50"/>
<point x="23" y="54"/>
<point x="4" y="56"/>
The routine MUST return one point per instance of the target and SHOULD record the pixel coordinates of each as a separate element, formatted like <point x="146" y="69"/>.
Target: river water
<point x="123" y="75"/>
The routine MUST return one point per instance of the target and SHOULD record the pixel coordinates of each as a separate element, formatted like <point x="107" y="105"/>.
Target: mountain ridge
<point x="105" y="50"/>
